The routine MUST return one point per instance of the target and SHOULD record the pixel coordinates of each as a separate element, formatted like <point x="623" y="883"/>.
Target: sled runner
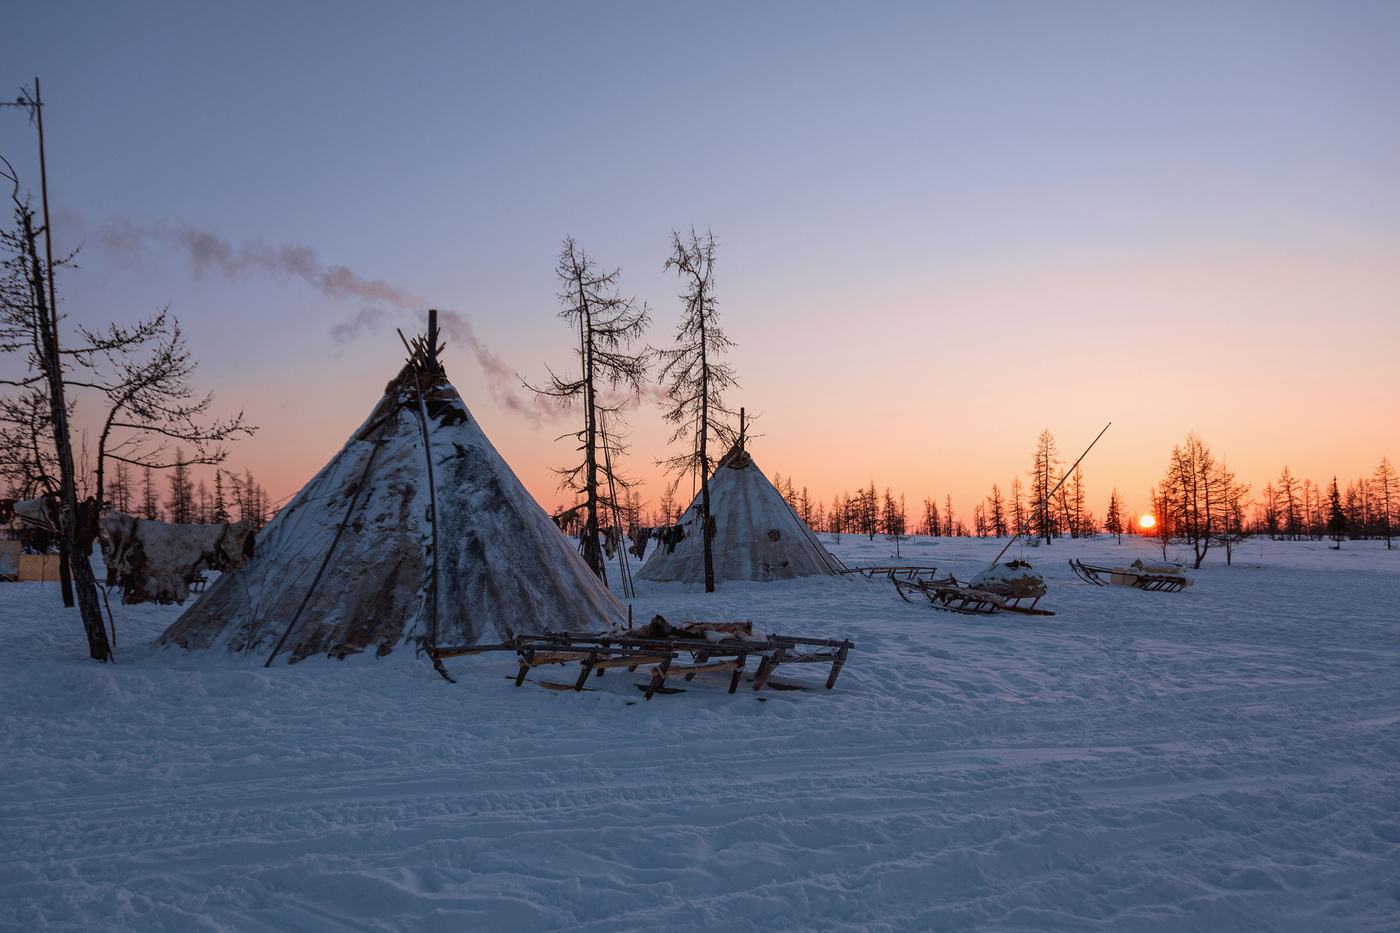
<point x="1163" y="577"/>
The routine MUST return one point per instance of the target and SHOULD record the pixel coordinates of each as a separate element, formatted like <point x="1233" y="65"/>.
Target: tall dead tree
<point x="146" y="397"/>
<point x="608" y="324"/>
<point x="29" y="324"/>
<point x="697" y="377"/>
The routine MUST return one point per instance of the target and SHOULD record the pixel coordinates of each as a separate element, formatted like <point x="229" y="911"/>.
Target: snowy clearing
<point x="1225" y="758"/>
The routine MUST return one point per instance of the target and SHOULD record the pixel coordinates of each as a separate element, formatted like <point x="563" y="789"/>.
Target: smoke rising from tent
<point x="500" y="378"/>
<point x="503" y="382"/>
<point x="207" y="250"/>
<point x="367" y="320"/>
<point x="282" y="262"/>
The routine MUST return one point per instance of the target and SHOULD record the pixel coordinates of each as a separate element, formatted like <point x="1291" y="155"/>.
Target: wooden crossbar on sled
<point x="951" y="596"/>
<point x="902" y="572"/>
<point x="666" y="657"/>
<point x="1131" y="576"/>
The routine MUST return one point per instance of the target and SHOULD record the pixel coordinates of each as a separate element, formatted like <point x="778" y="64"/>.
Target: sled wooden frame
<point x="596" y="653"/>
<point x="950" y="596"/>
<point x="893" y="573"/>
<point x="1153" y="582"/>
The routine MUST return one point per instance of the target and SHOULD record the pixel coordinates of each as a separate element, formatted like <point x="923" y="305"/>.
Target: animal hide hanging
<point x="158" y="561"/>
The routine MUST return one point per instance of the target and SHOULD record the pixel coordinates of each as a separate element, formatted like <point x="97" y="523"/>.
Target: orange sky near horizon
<point x="1237" y="349"/>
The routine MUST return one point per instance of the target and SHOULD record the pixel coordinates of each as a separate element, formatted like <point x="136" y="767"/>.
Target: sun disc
<point x="1147" y="521"/>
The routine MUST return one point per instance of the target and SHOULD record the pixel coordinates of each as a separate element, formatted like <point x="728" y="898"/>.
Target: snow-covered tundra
<point x="1225" y="758"/>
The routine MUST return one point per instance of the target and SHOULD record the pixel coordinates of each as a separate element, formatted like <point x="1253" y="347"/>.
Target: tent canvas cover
<point x="504" y="567"/>
<point x="758" y="537"/>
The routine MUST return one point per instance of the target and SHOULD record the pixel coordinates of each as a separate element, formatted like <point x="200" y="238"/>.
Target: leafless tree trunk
<point x="29" y="319"/>
<point x="1042" y="474"/>
<point x="608" y="325"/>
<point x="696" y="376"/>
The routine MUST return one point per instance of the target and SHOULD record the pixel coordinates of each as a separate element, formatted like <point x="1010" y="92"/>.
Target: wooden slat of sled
<point x="728" y="664"/>
<point x="629" y="661"/>
<point x="556" y="657"/>
<point x="902" y="571"/>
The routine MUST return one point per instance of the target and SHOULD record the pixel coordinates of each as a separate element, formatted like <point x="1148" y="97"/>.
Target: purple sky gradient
<point x="942" y="227"/>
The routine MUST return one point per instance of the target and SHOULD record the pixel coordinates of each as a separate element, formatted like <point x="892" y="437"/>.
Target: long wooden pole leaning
<point x="1043" y="502"/>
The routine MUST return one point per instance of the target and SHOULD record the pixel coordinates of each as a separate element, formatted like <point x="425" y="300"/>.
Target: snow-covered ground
<point x="1226" y="758"/>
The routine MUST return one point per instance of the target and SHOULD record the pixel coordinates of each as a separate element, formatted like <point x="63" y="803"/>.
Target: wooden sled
<point x="947" y="594"/>
<point x="667" y="658"/>
<point x="1135" y="576"/>
<point x="951" y="596"/>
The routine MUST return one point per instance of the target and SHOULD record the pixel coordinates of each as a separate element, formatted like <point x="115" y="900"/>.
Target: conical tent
<point x="349" y="565"/>
<point x="757" y="534"/>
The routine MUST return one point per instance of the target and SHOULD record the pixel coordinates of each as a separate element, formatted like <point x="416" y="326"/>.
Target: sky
<point x="942" y="227"/>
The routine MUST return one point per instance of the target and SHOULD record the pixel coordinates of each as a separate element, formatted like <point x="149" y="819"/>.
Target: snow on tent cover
<point x="348" y="565"/>
<point x="757" y="536"/>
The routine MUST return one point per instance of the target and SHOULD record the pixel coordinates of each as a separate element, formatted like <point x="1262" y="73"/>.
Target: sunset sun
<point x="1147" y="521"/>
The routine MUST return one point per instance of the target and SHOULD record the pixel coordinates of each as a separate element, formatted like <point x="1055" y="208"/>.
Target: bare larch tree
<point x="29" y="324"/>
<point x="1042" y="474"/>
<point x="1194" y="499"/>
<point x="140" y="373"/>
<point x="608" y="324"/>
<point x="697" y="377"/>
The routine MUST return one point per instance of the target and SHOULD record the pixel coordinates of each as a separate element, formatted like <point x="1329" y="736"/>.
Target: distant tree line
<point x="1199" y="503"/>
<point x="1294" y="509"/>
<point x="186" y="501"/>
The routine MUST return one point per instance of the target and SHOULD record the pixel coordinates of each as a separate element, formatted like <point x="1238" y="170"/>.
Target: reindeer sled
<point x="999" y="588"/>
<point x="1160" y="577"/>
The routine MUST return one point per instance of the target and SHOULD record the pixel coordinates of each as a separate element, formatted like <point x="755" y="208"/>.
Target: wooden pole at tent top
<point x="431" y="361"/>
